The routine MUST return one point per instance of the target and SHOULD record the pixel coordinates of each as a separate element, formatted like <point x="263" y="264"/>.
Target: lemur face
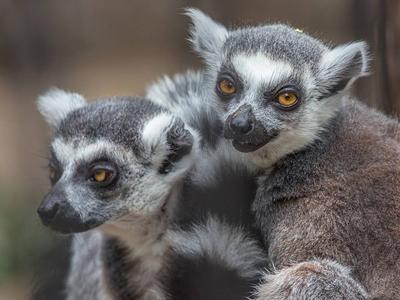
<point x="110" y="159"/>
<point x="276" y="85"/>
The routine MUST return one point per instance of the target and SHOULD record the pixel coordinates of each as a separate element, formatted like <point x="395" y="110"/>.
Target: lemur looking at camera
<point x="118" y="169"/>
<point x="328" y="205"/>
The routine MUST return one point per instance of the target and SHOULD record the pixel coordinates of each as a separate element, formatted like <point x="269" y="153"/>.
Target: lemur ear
<point x="55" y="104"/>
<point x="180" y="142"/>
<point x="206" y="35"/>
<point x="341" y="66"/>
<point x="167" y="141"/>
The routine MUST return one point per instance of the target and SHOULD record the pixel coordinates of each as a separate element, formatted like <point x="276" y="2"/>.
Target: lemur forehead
<point x="259" y="68"/>
<point x="72" y="151"/>
<point x="120" y="122"/>
<point x="279" y="42"/>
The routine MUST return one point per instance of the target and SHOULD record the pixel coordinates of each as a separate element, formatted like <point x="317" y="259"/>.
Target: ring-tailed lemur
<point x="118" y="166"/>
<point x="330" y="196"/>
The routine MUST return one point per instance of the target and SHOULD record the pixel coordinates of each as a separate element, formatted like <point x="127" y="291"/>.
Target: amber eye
<point x="288" y="99"/>
<point x="101" y="175"/>
<point x="226" y="87"/>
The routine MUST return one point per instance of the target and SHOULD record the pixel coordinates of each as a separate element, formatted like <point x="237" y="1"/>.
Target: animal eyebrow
<point x="53" y="160"/>
<point x="94" y="157"/>
<point x="229" y="69"/>
<point x="289" y="81"/>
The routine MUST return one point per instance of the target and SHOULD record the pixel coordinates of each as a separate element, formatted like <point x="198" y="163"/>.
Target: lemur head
<point x="110" y="160"/>
<point x="277" y="86"/>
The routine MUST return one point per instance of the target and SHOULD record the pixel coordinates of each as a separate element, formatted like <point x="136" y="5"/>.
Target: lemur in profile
<point x="119" y="171"/>
<point x="328" y="204"/>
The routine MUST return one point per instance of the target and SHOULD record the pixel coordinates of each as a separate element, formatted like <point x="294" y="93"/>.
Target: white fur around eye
<point x="55" y="104"/>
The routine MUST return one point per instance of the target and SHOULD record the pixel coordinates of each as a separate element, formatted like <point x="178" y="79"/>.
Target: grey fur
<point x="86" y="278"/>
<point x="334" y="282"/>
<point x="230" y="246"/>
<point x="151" y="152"/>
<point x="331" y="183"/>
<point x="342" y="204"/>
<point x="183" y="96"/>
<point x="130" y="246"/>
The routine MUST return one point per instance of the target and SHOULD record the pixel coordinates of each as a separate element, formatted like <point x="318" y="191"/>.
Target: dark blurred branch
<point x="391" y="57"/>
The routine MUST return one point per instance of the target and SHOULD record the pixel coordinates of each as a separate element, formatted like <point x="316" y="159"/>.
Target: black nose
<point x="241" y="125"/>
<point x="57" y="213"/>
<point x="47" y="211"/>
<point x="242" y="121"/>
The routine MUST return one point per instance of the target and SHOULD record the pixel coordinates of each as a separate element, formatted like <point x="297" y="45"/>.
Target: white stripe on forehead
<point x="258" y="68"/>
<point x="69" y="152"/>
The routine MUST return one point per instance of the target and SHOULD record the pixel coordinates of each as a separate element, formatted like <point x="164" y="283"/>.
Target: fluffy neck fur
<point x="135" y="250"/>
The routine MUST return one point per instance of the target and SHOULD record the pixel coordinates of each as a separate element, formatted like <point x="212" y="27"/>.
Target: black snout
<point x="241" y="122"/>
<point x="47" y="211"/>
<point x="56" y="213"/>
<point x="241" y="125"/>
<point x="246" y="132"/>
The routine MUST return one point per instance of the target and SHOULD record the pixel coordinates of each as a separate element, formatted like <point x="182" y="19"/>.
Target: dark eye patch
<point x="291" y="82"/>
<point x="229" y="72"/>
<point x="84" y="167"/>
<point x="55" y="168"/>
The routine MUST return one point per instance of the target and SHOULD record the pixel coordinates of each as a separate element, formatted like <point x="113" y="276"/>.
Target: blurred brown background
<point x="100" y="48"/>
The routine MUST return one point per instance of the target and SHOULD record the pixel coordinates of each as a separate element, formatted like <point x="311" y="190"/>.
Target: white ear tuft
<point x="55" y="104"/>
<point x="342" y="65"/>
<point x="154" y="136"/>
<point x="206" y="35"/>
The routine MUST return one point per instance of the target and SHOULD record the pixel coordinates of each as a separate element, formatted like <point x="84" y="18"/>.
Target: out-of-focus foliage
<point x="22" y="240"/>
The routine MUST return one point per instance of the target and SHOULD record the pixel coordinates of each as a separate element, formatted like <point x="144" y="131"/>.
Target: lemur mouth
<point x="244" y="146"/>
<point x="75" y="227"/>
<point x="253" y="143"/>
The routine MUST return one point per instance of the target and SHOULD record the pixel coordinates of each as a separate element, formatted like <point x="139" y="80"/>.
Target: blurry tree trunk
<point x="391" y="54"/>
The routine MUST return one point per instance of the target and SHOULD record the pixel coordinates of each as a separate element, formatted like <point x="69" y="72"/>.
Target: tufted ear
<point x="180" y="143"/>
<point x="167" y="141"/>
<point x="206" y="35"/>
<point x="55" y="104"/>
<point x="341" y="66"/>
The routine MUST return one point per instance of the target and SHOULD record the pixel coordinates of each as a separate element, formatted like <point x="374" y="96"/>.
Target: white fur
<point x="150" y="191"/>
<point x="305" y="132"/>
<point x="86" y="275"/>
<point x="208" y="163"/>
<point x="226" y="244"/>
<point x="71" y="153"/>
<point x="187" y="104"/>
<point x="56" y="104"/>
<point x="142" y="239"/>
<point x="258" y="69"/>
<point x="154" y="137"/>
<point x="277" y="284"/>
<point x="345" y="61"/>
<point x="206" y="35"/>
